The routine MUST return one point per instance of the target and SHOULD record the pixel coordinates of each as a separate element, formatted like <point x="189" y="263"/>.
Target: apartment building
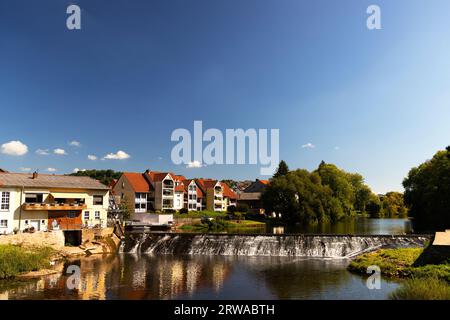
<point x="158" y="191"/>
<point x="46" y="202"/>
<point x="212" y="191"/>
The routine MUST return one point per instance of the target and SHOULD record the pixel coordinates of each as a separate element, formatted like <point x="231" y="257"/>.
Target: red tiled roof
<point x="266" y="182"/>
<point x="227" y="192"/>
<point x="179" y="188"/>
<point x="207" y="183"/>
<point x="137" y="181"/>
<point x="156" y="176"/>
<point x="178" y="178"/>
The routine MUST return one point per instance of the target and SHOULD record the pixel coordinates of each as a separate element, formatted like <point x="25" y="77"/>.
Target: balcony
<point x="53" y="206"/>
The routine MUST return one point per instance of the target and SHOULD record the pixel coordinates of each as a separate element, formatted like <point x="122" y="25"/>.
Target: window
<point x="86" y="215"/>
<point x="98" y="200"/>
<point x="4" y="204"/>
<point x="97" y="215"/>
<point x="72" y="214"/>
<point x="3" y="223"/>
<point x="34" y="198"/>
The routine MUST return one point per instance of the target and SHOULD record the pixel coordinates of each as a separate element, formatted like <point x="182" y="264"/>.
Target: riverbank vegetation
<point x="424" y="281"/>
<point x="200" y="214"/>
<point x="15" y="260"/>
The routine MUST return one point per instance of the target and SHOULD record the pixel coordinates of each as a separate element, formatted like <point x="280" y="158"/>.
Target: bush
<point x="429" y="288"/>
<point x="242" y="208"/>
<point x="184" y="211"/>
<point x="169" y="211"/>
<point x="232" y="209"/>
<point x="15" y="260"/>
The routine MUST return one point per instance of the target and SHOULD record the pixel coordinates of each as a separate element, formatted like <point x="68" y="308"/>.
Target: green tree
<point x="339" y="183"/>
<point x="300" y="197"/>
<point x="393" y="205"/>
<point x="373" y="207"/>
<point x="282" y="170"/>
<point x="427" y="193"/>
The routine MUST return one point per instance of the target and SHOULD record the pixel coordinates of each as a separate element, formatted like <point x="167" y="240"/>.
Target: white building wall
<point x="8" y="214"/>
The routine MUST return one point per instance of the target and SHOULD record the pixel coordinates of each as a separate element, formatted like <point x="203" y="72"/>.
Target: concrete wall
<point x="54" y="239"/>
<point x="153" y="218"/>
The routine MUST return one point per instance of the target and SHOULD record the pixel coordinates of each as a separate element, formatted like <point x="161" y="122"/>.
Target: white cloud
<point x="14" y="148"/>
<point x="25" y="169"/>
<point x="60" y="152"/>
<point x="92" y="157"/>
<point x="42" y="152"/>
<point x="75" y="143"/>
<point x="119" y="155"/>
<point x="309" y="145"/>
<point x="194" y="164"/>
<point x="50" y="169"/>
<point x="77" y="170"/>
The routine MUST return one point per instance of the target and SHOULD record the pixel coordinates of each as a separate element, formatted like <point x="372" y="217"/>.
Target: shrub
<point x="169" y="211"/>
<point x="242" y="208"/>
<point x="429" y="288"/>
<point x="184" y="211"/>
<point x="232" y="209"/>
<point x="15" y="260"/>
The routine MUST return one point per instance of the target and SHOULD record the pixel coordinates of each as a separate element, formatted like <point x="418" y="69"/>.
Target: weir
<point x="295" y="245"/>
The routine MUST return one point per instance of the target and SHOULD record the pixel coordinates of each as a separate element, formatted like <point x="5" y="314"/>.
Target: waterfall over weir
<point x="323" y="246"/>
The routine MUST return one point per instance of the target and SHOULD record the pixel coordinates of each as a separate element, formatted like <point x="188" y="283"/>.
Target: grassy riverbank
<point x="424" y="282"/>
<point x="225" y="224"/>
<point x="200" y="214"/>
<point x="15" y="260"/>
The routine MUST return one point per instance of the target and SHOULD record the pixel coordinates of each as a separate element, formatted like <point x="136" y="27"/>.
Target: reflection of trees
<point x="289" y="278"/>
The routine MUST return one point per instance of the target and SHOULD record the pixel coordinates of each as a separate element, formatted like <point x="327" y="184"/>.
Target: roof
<point x="207" y="183"/>
<point x="250" y="196"/>
<point x="227" y="192"/>
<point x="177" y="178"/>
<point x="156" y="176"/>
<point x="137" y="181"/>
<point x="179" y="188"/>
<point x="49" y="181"/>
<point x="257" y="186"/>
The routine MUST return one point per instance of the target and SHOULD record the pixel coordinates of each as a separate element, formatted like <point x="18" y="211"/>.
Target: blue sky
<point x="374" y="102"/>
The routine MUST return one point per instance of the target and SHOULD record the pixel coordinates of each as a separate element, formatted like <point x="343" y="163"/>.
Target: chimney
<point x="35" y="175"/>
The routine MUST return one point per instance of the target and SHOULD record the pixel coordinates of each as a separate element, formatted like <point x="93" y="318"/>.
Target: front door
<point x="36" y="224"/>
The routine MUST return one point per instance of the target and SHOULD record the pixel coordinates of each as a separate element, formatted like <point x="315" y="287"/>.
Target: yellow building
<point x="46" y="201"/>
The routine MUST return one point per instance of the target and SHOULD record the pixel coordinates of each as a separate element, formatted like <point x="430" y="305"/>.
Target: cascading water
<point x="323" y="246"/>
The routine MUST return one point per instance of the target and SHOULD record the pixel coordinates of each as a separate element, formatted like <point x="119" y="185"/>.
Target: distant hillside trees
<point x="104" y="176"/>
<point x="427" y="193"/>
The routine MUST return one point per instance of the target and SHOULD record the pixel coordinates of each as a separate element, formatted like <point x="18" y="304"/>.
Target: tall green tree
<point x="427" y="193"/>
<point x="282" y="170"/>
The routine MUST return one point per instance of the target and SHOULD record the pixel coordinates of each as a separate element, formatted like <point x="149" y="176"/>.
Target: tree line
<point x="327" y="194"/>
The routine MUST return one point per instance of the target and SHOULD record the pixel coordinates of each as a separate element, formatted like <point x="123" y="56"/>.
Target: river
<point x="145" y="276"/>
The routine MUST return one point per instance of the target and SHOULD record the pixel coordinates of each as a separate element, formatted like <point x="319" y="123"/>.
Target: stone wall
<point x="94" y="234"/>
<point x="53" y="239"/>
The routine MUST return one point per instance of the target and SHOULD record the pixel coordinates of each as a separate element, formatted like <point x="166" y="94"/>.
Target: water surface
<point x="131" y="276"/>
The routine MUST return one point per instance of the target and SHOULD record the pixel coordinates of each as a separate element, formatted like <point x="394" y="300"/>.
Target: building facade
<point x="45" y="202"/>
<point x="162" y="191"/>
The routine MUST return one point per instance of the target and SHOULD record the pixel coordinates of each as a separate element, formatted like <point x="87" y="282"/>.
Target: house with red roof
<point x="251" y="196"/>
<point x="160" y="191"/>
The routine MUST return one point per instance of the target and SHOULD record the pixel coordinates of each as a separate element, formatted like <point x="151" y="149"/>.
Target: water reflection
<point x="130" y="276"/>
